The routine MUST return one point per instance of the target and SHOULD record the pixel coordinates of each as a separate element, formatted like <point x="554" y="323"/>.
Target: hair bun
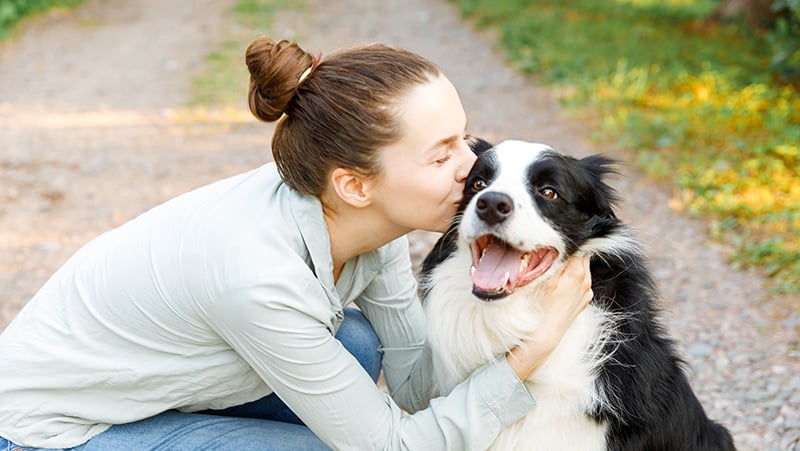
<point x="275" y="68"/>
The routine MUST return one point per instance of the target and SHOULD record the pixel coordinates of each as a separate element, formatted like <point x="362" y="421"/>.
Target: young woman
<point x="216" y="319"/>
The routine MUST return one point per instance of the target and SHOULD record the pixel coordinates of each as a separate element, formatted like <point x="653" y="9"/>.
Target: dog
<point x="615" y="381"/>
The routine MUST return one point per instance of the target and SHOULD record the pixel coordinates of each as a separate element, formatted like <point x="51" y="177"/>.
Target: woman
<point x="191" y="325"/>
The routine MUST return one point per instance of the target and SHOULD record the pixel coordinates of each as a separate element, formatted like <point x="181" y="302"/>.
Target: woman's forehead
<point x="432" y="113"/>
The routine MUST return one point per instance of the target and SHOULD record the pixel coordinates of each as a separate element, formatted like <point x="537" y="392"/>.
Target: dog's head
<point x="527" y="209"/>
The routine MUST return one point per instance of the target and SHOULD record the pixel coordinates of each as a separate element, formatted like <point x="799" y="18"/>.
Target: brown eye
<point x="478" y="184"/>
<point x="548" y="193"/>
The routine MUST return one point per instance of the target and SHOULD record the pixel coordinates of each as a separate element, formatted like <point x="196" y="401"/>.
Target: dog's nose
<point x="494" y="208"/>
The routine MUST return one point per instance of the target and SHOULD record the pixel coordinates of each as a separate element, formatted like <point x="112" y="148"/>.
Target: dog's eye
<point x="478" y="184"/>
<point x="548" y="193"/>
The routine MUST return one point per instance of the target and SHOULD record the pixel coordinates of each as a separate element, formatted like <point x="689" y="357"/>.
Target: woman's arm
<point x="283" y="333"/>
<point x="392" y="306"/>
<point x="298" y="358"/>
<point x="391" y="303"/>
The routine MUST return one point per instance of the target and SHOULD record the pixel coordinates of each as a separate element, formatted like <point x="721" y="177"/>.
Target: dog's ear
<point x="478" y="145"/>
<point x="598" y="168"/>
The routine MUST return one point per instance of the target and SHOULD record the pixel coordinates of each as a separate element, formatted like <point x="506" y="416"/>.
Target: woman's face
<point x="423" y="173"/>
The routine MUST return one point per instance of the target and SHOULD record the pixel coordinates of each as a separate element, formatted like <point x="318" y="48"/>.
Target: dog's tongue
<point x="498" y="265"/>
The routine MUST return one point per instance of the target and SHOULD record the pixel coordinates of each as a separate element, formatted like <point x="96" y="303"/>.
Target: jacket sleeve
<point x="391" y="303"/>
<point x="283" y="332"/>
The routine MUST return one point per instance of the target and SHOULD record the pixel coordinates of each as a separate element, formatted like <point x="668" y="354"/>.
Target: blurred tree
<point x="759" y="13"/>
<point x="781" y="20"/>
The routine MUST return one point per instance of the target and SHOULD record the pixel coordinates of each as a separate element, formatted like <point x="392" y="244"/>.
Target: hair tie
<point x="305" y="74"/>
<point x="315" y="60"/>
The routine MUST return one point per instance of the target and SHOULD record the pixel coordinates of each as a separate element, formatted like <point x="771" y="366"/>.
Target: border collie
<point x="615" y="382"/>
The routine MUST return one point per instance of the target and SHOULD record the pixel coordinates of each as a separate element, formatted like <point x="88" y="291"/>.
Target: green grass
<point x="224" y="82"/>
<point x="13" y="12"/>
<point x="695" y="101"/>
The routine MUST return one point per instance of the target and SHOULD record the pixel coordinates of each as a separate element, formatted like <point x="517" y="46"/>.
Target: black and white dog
<point x="615" y="382"/>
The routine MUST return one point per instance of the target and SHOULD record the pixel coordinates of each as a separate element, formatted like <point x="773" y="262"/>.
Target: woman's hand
<point x="563" y="299"/>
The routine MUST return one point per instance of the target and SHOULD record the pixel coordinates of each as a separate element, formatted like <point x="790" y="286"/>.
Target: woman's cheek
<point x="451" y="211"/>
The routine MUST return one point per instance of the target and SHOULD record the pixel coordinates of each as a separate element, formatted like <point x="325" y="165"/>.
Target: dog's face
<point x="526" y="209"/>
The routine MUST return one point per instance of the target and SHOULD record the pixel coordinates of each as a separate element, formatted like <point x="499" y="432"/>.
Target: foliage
<point x="785" y="41"/>
<point x="12" y="11"/>
<point x="694" y="100"/>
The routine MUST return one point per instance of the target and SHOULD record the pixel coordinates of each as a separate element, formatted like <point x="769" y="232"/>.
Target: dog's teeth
<point x="505" y="280"/>
<point x="472" y="270"/>
<point x="523" y="262"/>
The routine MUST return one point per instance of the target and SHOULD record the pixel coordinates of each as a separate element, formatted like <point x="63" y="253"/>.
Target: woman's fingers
<point x="563" y="299"/>
<point x="587" y="281"/>
<point x="574" y="275"/>
<point x="568" y="294"/>
<point x="577" y="271"/>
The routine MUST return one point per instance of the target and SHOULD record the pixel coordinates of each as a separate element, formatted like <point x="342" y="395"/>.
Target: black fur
<point x="654" y="405"/>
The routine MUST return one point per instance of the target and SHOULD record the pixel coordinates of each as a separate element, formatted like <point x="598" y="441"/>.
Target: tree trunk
<point x="757" y="13"/>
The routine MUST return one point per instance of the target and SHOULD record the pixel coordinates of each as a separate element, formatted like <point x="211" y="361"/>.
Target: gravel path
<point x="91" y="134"/>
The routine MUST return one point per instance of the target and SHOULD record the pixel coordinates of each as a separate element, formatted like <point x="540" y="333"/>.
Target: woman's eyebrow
<point x="448" y="139"/>
<point x="444" y="141"/>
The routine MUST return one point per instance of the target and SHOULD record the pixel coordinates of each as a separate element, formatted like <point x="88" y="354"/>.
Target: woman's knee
<point x="359" y="338"/>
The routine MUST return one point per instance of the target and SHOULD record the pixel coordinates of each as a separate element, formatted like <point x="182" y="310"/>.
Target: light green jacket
<point x="219" y="297"/>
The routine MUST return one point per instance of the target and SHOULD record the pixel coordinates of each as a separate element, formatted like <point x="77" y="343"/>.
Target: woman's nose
<point x="467" y="160"/>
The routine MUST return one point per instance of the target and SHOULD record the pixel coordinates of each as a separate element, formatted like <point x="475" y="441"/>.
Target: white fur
<point x="466" y="332"/>
<point x="526" y="229"/>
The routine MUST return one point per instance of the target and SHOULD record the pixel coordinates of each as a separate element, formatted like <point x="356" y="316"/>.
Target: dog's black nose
<point x="494" y="208"/>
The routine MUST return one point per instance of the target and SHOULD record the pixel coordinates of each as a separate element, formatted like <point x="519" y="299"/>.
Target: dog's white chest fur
<point x="466" y="333"/>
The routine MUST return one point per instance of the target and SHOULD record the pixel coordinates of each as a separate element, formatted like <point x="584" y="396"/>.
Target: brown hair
<point x="339" y="115"/>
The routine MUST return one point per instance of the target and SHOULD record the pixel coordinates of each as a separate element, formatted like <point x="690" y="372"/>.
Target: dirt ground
<point x="92" y="133"/>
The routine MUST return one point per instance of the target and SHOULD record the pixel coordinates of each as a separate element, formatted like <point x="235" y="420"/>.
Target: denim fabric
<point x="266" y="424"/>
<point x="5" y="445"/>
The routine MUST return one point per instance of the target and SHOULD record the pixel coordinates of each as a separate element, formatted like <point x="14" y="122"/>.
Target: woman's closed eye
<point x="443" y="159"/>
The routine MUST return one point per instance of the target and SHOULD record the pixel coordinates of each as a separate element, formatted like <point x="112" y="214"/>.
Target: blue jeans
<point x="265" y="424"/>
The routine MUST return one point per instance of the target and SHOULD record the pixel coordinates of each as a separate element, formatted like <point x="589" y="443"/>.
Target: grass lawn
<point x="694" y="100"/>
<point x="12" y="12"/>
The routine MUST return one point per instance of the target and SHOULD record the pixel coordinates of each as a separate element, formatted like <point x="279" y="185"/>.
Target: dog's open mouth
<point x="498" y="269"/>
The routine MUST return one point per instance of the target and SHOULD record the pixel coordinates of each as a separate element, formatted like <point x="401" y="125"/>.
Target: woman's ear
<point x="350" y="186"/>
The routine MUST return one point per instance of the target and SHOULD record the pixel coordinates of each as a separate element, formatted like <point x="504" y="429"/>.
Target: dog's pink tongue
<point x="490" y="272"/>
